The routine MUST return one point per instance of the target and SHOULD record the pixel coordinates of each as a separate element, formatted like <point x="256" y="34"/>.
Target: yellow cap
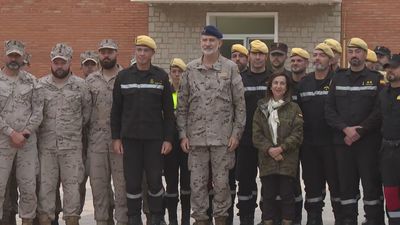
<point x="357" y="43"/>
<point x="326" y="49"/>
<point x="178" y="63"/>
<point x="258" y="46"/>
<point x="239" y="48"/>
<point x="300" y="52"/>
<point x="146" y="41"/>
<point x="371" y="56"/>
<point x="334" y="45"/>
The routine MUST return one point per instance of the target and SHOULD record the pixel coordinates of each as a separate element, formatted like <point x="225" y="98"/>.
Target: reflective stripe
<point x="141" y="86"/>
<point x="372" y="202"/>
<point x="184" y="192"/>
<point x="314" y="200"/>
<point x="172" y="195"/>
<point x="298" y="198"/>
<point x="356" y="88"/>
<point x="393" y="214"/>
<point x="255" y="88"/>
<point x="294" y="97"/>
<point x="278" y="198"/>
<point x="349" y="201"/>
<point x="245" y="198"/>
<point x="313" y="93"/>
<point x="160" y="193"/>
<point x="131" y="196"/>
<point x="335" y="199"/>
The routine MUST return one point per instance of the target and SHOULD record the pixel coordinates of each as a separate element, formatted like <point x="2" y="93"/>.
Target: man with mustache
<point x="337" y="50"/>
<point x="389" y="99"/>
<point x="299" y="60"/>
<point x="66" y="109"/>
<point x="20" y="116"/>
<point x="211" y="118"/>
<point x="239" y="55"/>
<point x="103" y="163"/>
<point x="317" y="155"/>
<point x="350" y="110"/>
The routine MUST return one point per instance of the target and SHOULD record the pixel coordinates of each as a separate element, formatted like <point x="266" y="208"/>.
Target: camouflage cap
<point x="62" y="51"/>
<point x="89" y="56"/>
<point x="14" y="46"/>
<point x="108" y="43"/>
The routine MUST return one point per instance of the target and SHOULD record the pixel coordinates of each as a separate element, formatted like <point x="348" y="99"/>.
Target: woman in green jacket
<point x="278" y="134"/>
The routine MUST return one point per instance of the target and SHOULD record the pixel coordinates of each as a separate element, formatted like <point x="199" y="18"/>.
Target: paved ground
<point x="88" y="213"/>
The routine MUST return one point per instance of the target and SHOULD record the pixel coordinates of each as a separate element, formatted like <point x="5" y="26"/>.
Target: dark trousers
<point x="355" y="162"/>
<point x="390" y="169"/>
<point x="320" y="167"/>
<point x="246" y="174"/>
<point x="139" y="156"/>
<point x="176" y="168"/>
<point x="272" y="186"/>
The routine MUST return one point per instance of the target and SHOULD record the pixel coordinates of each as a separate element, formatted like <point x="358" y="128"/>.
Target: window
<point x="244" y="27"/>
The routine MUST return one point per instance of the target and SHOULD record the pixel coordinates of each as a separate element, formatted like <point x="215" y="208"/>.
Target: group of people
<point x="205" y="125"/>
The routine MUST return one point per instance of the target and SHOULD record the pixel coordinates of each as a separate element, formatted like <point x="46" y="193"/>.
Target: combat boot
<point x="221" y="220"/>
<point x="44" y="220"/>
<point x="287" y="222"/>
<point x="27" y="221"/>
<point x="72" y="220"/>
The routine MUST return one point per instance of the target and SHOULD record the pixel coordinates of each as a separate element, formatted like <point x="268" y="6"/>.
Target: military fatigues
<point x="317" y="156"/>
<point x="103" y="162"/>
<point x="389" y="100"/>
<point x="142" y="116"/>
<point x="65" y="111"/>
<point x="19" y="110"/>
<point x="255" y="86"/>
<point x="211" y="109"/>
<point x="350" y="102"/>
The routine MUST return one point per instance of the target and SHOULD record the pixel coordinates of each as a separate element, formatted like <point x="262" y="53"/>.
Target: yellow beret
<point x="178" y="63"/>
<point x="358" y="43"/>
<point x="334" y="45"/>
<point x="258" y="46"/>
<point x="146" y="41"/>
<point x="371" y="56"/>
<point x="326" y="49"/>
<point x="239" y="48"/>
<point x="300" y="52"/>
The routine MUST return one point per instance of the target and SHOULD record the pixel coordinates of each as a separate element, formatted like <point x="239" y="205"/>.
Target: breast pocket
<point x="72" y="102"/>
<point x="25" y="95"/>
<point x="4" y="95"/>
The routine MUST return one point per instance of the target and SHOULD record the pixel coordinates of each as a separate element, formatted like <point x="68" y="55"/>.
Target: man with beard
<point x="211" y="118"/>
<point x="350" y="111"/>
<point x="389" y="99"/>
<point x="20" y="116"/>
<point x="239" y="55"/>
<point x="277" y="57"/>
<point x="142" y="128"/>
<point x="317" y="155"/>
<point x="383" y="54"/>
<point x="298" y="64"/>
<point x="103" y="163"/>
<point x="337" y="50"/>
<point x="66" y="109"/>
<point x="255" y="86"/>
<point x="89" y="62"/>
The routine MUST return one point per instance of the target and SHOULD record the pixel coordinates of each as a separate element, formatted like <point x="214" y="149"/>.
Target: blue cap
<point x="211" y="30"/>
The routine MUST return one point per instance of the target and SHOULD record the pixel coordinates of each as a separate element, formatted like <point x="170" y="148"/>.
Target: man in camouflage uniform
<point x="89" y="62"/>
<point x="103" y="162"/>
<point x="20" y="117"/>
<point x="66" y="108"/>
<point x="211" y="117"/>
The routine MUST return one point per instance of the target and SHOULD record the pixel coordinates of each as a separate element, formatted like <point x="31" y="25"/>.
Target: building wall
<point x="176" y="27"/>
<point x="374" y="21"/>
<point x="40" y="24"/>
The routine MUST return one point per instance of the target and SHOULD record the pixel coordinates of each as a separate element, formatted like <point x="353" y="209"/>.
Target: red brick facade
<point x="374" y="21"/>
<point x="40" y="24"/>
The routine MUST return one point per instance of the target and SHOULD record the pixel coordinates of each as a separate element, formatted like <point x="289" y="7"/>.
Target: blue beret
<point x="212" y="31"/>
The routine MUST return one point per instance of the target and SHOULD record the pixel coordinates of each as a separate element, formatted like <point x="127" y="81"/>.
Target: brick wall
<point x="176" y="27"/>
<point x="40" y="24"/>
<point x="374" y="21"/>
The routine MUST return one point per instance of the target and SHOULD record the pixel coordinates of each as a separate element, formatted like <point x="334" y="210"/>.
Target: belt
<point x="391" y="143"/>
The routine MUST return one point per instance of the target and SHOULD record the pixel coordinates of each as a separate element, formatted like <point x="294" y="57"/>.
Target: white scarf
<point x="273" y="119"/>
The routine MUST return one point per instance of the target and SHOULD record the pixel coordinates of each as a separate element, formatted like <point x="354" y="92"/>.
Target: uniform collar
<point x="152" y="69"/>
<point x="49" y="80"/>
<point x="99" y="73"/>
<point x="216" y="66"/>
<point x="363" y="72"/>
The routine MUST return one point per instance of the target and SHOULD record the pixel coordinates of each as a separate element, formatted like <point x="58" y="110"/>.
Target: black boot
<point x="247" y="220"/>
<point x="135" y="220"/>
<point x="185" y="205"/>
<point x="314" y="219"/>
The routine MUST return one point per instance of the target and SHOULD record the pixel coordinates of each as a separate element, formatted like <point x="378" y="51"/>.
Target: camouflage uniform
<point x="103" y="162"/>
<point x="19" y="110"/>
<point x="211" y="110"/>
<point x="65" y="111"/>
